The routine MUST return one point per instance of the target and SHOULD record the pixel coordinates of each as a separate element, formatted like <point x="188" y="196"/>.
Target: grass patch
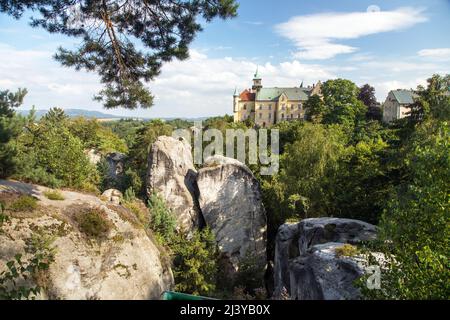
<point x="347" y="250"/>
<point x="93" y="223"/>
<point x="54" y="195"/>
<point x="24" y="203"/>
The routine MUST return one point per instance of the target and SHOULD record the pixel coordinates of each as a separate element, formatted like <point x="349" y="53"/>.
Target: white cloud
<point x="315" y="35"/>
<point x="437" y="53"/>
<point x="199" y="86"/>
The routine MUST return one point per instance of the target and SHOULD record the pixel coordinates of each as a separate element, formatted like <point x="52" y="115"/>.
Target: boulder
<point x="231" y="204"/>
<point x="116" y="161"/>
<point x="112" y="195"/>
<point x="321" y="230"/>
<point x="322" y="275"/>
<point x="123" y="264"/>
<point x="298" y="249"/>
<point x="171" y="175"/>
<point x="93" y="155"/>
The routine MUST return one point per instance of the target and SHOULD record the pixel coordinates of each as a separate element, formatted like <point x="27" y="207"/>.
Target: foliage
<point x="129" y="195"/>
<point x="250" y="276"/>
<point x="93" y="223"/>
<point x="23" y="278"/>
<point x="51" y="155"/>
<point x="138" y="154"/>
<point x="340" y="97"/>
<point x="314" y="109"/>
<point x="162" y="220"/>
<point x="416" y="221"/>
<point x="23" y="203"/>
<point x="113" y="34"/>
<point x="346" y="250"/>
<point x="54" y="195"/>
<point x="367" y="95"/>
<point x="10" y="128"/>
<point x="96" y="136"/>
<point x="195" y="262"/>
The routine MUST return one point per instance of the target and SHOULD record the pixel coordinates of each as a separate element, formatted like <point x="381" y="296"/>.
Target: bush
<point x="347" y="250"/>
<point x="54" y="195"/>
<point x="24" y="203"/>
<point x="195" y="262"/>
<point x="162" y="220"/>
<point x="25" y="279"/>
<point x="93" y="223"/>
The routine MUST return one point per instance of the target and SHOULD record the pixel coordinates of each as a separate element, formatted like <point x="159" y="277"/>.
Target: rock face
<point x="93" y="156"/>
<point x="321" y="230"/>
<point x="115" y="162"/>
<point x="172" y="175"/>
<point x="305" y="262"/>
<point x="125" y="264"/>
<point x="231" y="204"/>
<point x="322" y="275"/>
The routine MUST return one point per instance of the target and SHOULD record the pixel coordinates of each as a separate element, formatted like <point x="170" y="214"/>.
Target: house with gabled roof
<point x="397" y="104"/>
<point x="267" y="106"/>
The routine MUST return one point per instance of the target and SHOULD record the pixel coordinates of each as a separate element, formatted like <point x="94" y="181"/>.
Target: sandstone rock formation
<point x="321" y="230"/>
<point x="231" y="204"/>
<point x="125" y="264"/>
<point x="112" y="195"/>
<point x="171" y="175"/>
<point x="305" y="262"/>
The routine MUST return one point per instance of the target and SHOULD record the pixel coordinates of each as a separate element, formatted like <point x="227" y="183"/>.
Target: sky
<point x="389" y="44"/>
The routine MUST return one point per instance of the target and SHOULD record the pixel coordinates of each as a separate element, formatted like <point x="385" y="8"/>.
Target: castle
<point x="267" y="106"/>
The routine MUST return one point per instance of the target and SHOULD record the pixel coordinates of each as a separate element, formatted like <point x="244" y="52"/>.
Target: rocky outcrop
<point x="305" y="263"/>
<point x="231" y="204"/>
<point x="123" y="264"/>
<point x="112" y="195"/>
<point x="322" y="230"/>
<point x="115" y="169"/>
<point x="321" y="274"/>
<point x="93" y="155"/>
<point x="171" y="175"/>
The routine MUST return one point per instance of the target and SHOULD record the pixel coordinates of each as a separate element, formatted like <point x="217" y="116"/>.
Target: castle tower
<point x="256" y="81"/>
<point x="235" y="100"/>
<point x="235" y="106"/>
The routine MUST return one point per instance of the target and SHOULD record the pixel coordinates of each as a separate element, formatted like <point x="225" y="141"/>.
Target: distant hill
<point x="101" y="115"/>
<point x="77" y="113"/>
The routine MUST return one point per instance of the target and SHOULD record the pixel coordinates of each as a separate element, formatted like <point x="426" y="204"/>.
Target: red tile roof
<point x="247" y="96"/>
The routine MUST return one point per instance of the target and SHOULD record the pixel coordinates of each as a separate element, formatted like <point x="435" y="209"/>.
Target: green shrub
<point x="24" y="203"/>
<point x="93" y="223"/>
<point x="25" y="279"/>
<point x="54" y="195"/>
<point x="347" y="250"/>
<point x="129" y="195"/>
<point x="162" y="220"/>
<point x="195" y="262"/>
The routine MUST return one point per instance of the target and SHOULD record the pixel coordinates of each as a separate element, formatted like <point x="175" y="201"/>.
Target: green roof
<point x="403" y="96"/>
<point x="272" y="94"/>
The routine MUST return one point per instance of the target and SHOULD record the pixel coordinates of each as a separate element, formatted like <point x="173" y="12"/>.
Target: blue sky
<point x="389" y="44"/>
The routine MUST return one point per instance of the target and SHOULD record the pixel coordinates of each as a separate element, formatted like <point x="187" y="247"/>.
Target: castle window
<point x="260" y="115"/>
<point x="282" y="116"/>
<point x="292" y="107"/>
<point x="245" y="107"/>
<point x="270" y="107"/>
<point x="300" y="106"/>
<point x="270" y="116"/>
<point x="260" y="107"/>
<point x="292" y="116"/>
